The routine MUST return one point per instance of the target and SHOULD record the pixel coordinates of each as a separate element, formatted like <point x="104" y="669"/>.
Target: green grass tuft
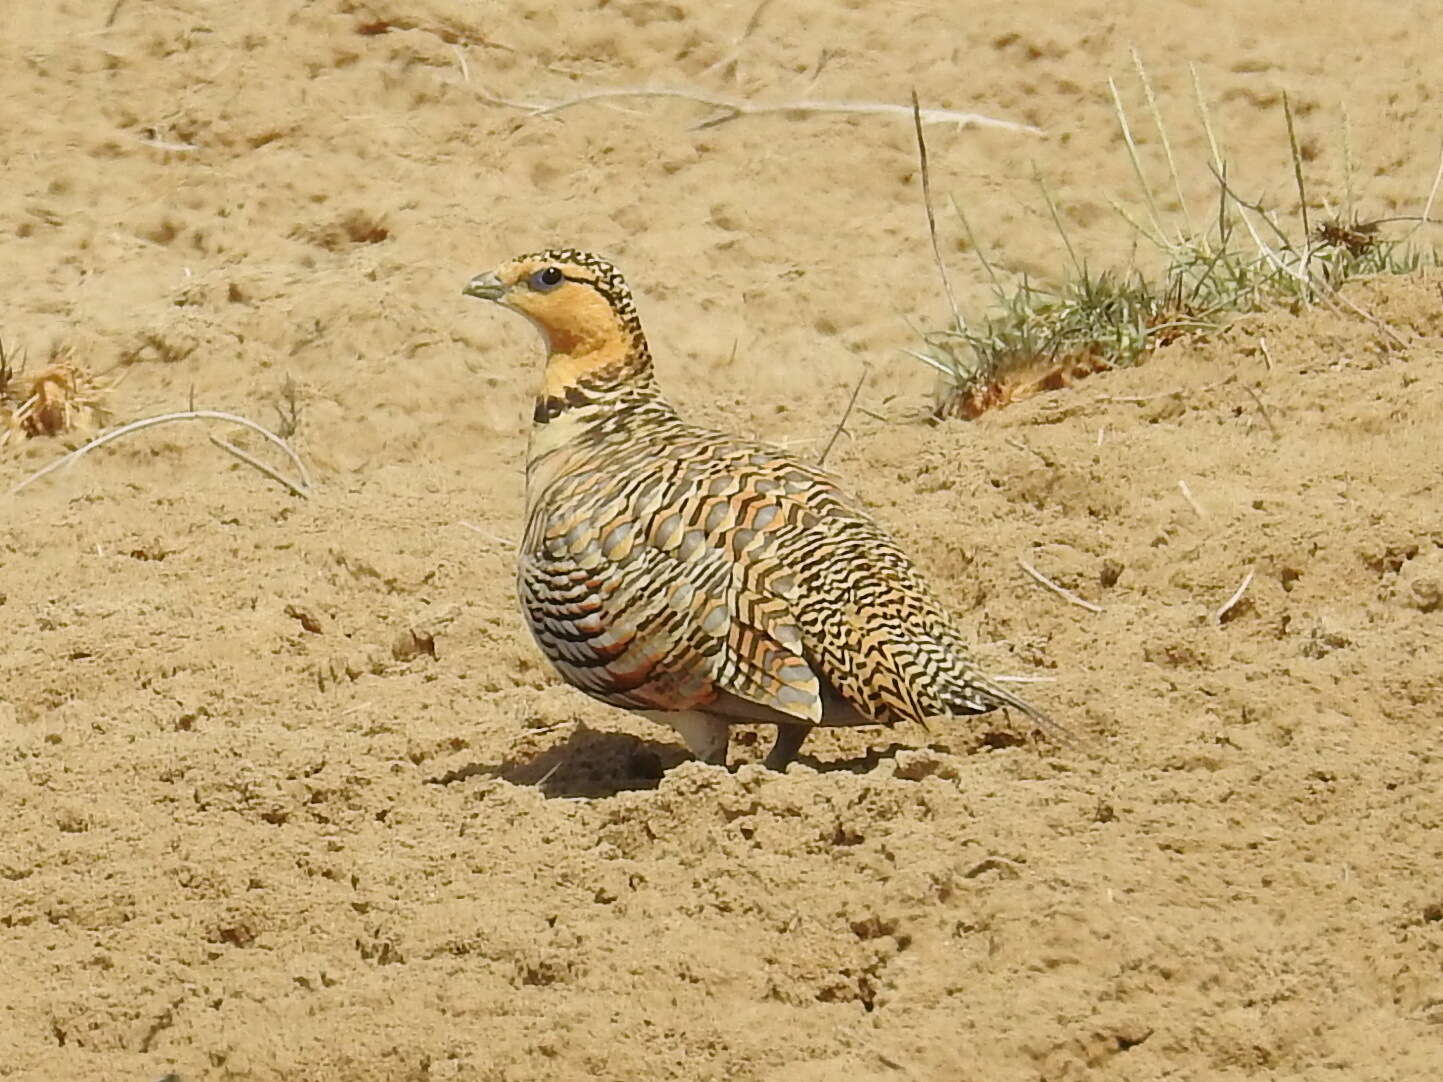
<point x="1038" y="339"/>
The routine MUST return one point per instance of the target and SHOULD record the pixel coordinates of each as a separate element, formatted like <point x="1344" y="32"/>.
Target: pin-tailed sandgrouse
<point x="697" y="578"/>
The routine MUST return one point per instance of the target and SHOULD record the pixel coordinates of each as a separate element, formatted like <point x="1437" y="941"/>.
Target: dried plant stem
<point x="1263" y="411"/>
<point x="1202" y="108"/>
<point x="728" y="63"/>
<point x="1335" y="297"/>
<point x="1162" y="136"/>
<point x="1061" y="591"/>
<point x="168" y="145"/>
<point x="1348" y="170"/>
<point x="497" y="539"/>
<point x="251" y="460"/>
<point x="167" y="418"/>
<point x="1227" y="606"/>
<point x="1298" y="179"/>
<point x="1191" y="500"/>
<point x="846" y="413"/>
<point x="931" y="218"/>
<point x="541" y="781"/>
<point x="461" y="63"/>
<point x="987" y="267"/>
<point x="1432" y="194"/>
<point x="1057" y="221"/>
<point x="734" y="108"/>
<point x="1135" y="159"/>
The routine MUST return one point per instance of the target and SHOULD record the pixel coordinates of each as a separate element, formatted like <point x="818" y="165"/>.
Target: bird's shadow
<point x="593" y="763"/>
<point x="588" y="763"/>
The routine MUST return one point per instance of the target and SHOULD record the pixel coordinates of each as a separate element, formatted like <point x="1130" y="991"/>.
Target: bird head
<point x="578" y="301"/>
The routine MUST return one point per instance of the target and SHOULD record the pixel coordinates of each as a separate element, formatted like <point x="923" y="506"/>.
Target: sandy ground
<point x="288" y="792"/>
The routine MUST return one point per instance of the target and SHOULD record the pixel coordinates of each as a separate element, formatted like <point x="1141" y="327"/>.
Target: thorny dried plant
<point x="289" y="404"/>
<point x="62" y="397"/>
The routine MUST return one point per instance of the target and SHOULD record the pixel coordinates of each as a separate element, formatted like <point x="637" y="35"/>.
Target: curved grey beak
<point x="485" y="286"/>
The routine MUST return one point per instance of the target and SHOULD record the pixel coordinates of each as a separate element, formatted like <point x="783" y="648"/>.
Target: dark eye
<point x="545" y="279"/>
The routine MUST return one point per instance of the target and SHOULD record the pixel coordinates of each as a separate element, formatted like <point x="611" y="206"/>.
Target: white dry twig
<point x="727" y="65"/>
<point x="1266" y="251"/>
<point x="541" y="781"/>
<point x="734" y="107"/>
<point x="157" y="141"/>
<point x="1337" y="297"/>
<point x="495" y="539"/>
<point x="251" y="460"/>
<point x="1162" y="137"/>
<point x="1432" y="194"/>
<point x="1191" y="501"/>
<point x="166" y="418"/>
<point x="1227" y="606"/>
<point x="1061" y="591"/>
<point x="1135" y="159"/>
<point x="461" y="63"/>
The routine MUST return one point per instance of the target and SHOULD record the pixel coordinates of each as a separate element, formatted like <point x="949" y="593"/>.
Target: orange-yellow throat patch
<point x="567" y="368"/>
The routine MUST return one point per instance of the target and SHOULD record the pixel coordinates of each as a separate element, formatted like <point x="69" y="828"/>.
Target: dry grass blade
<point x="1427" y="215"/>
<point x="1061" y="591"/>
<point x="734" y="108"/>
<point x="461" y="63"/>
<point x="1298" y="177"/>
<point x="170" y="146"/>
<point x="252" y="461"/>
<point x="1202" y="108"/>
<point x="1135" y="159"/>
<point x="1191" y="499"/>
<point x="1227" y="606"/>
<point x="846" y="413"/>
<point x="1053" y="210"/>
<point x="1335" y="298"/>
<point x="1162" y="136"/>
<point x="1220" y="175"/>
<point x="931" y="218"/>
<point x="504" y="542"/>
<point x="727" y="65"/>
<point x="167" y="418"/>
<point x="987" y="267"/>
<point x="1263" y="411"/>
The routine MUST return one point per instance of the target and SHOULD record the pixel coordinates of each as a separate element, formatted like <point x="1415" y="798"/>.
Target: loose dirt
<point x="288" y="792"/>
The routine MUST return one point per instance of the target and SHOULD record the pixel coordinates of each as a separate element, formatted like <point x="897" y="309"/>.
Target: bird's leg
<point x="789" y="742"/>
<point x="705" y="736"/>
